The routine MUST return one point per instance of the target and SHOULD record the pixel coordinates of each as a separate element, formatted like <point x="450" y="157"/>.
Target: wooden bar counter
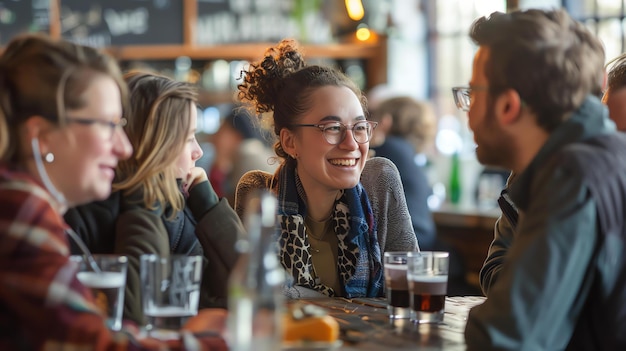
<point x="469" y="232"/>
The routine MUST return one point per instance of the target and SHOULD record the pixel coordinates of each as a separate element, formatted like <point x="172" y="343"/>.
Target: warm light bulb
<point x="363" y="34"/>
<point x="355" y="9"/>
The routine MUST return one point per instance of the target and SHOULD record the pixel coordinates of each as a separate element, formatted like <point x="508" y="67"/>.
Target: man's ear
<point x="287" y="141"/>
<point x="605" y="96"/>
<point x="508" y="106"/>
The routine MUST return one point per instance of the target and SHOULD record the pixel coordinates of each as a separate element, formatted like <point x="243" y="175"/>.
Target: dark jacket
<point x="602" y="160"/>
<point x="561" y="273"/>
<point x="124" y="226"/>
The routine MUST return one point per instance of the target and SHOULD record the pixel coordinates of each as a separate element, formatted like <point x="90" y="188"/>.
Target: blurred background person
<point x="405" y="133"/>
<point x="240" y="145"/>
<point x="406" y="127"/>
<point x="615" y="94"/>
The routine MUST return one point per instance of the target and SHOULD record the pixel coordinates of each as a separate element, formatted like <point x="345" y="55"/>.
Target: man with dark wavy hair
<point x="556" y="280"/>
<point x="615" y="94"/>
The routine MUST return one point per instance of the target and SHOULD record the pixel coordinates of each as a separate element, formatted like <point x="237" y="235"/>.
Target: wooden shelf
<point x="373" y="52"/>
<point x="251" y="51"/>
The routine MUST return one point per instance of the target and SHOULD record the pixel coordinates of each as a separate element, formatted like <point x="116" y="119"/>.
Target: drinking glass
<point x="170" y="288"/>
<point x="398" y="303"/>
<point x="427" y="275"/>
<point x="107" y="286"/>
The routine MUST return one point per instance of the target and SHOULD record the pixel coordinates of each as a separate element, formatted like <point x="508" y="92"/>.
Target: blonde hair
<point x="412" y="120"/>
<point x="40" y="76"/>
<point x="158" y="127"/>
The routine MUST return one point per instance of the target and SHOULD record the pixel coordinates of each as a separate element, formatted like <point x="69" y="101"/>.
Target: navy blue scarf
<point x="359" y="259"/>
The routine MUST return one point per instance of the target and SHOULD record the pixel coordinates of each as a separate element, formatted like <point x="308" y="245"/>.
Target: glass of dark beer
<point x="427" y="274"/>
<point x="398" y="303"/>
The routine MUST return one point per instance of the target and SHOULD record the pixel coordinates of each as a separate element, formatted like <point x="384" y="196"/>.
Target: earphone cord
<point x="44" y="175"/>
<point x="88" y="257"/>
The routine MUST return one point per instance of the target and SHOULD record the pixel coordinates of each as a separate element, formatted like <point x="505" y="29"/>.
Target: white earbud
<point x="42" y="171"/>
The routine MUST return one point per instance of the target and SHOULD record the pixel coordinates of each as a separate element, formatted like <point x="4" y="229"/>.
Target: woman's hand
<point x="193" y="177"/>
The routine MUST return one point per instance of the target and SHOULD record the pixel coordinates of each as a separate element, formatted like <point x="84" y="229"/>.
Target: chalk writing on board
<point x="233" y="21"/>
<point x="122" y="22"/>
<point x="127" y="22"/>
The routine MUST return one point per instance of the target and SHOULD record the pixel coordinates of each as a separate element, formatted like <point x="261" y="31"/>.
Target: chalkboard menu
<point x="241" y="21"/>
<point x="122" y="22"/>
<point x="20" y="16"/>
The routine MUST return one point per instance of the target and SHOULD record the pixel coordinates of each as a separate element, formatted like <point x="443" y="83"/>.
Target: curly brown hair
<point x="279" y="86"/>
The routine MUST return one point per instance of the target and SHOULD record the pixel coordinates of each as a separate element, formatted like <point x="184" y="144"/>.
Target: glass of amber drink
<point x="397" y="289"/>
<point x="427" y="276"/>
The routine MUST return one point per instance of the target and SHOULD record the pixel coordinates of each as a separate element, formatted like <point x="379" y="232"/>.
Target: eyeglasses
<point x="463" y="96"/>
<point x="112" y="126"/>
<point x="335" y="132"/>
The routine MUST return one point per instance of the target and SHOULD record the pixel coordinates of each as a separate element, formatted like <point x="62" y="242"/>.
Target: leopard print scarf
<point x="359" y="258"/>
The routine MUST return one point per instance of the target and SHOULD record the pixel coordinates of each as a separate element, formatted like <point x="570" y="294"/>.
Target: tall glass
<point x="398" y="302"/>
<point x="427" y="274"/>
<point x="106" y="286"/>
<point x="170" y="289"/>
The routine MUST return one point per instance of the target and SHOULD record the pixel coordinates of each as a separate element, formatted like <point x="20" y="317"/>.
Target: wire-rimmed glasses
<point x="335" y="132"/>
<point x="463" y="96"/>
<point x="112" y="126"/>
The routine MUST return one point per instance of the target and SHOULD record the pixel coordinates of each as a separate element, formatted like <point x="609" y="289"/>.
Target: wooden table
<point x="365" y="325"/>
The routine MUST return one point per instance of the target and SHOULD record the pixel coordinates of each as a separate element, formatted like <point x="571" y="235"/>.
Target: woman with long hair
<point x="162" y="203"/>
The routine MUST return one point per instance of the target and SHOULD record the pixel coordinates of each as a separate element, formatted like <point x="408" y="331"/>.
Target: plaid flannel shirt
<point x="42" y="304"/>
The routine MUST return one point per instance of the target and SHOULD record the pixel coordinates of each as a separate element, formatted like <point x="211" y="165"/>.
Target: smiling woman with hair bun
<point x="338" y="211"/>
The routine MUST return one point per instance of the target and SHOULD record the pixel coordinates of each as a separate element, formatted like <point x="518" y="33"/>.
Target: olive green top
<point x="324" y="246"/>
